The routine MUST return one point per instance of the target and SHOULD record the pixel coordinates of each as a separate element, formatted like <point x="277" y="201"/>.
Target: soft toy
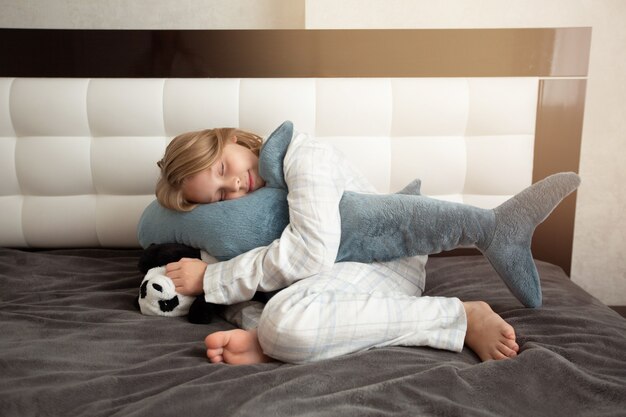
<point x="373" y="227"/>
<point x="157" y="295"/>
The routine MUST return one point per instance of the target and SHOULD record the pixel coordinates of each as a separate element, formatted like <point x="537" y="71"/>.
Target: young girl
<point x="328" y="309"/>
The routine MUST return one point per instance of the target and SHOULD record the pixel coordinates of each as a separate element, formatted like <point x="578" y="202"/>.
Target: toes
<point x="216" y="359"/>
<point x="215" y="355"/>
<point x="215" y="340"/>
<point x="215" y="343"/>
<point x="508" y="338"/>
<point x="498" y="352"/>
<point x="209" y="341"/>
<point x="506" y="351"/>
<point x="497" y="355"/>
<point x="511" y="344"/>
<point x="214" y="352"/>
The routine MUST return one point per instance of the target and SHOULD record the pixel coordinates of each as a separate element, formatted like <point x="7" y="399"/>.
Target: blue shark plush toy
<point x="373" y="227"/>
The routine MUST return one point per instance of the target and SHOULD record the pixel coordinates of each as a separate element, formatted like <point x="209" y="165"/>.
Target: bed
<point x="78" y="168"/>
<point x="74" y="344"/>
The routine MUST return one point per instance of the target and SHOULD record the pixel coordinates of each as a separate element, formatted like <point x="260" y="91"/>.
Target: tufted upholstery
<point x="78" y="156"/>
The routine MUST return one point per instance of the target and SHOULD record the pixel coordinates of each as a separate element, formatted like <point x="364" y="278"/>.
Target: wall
<point x="600" y="234"/>
<point x="152" y="14"/>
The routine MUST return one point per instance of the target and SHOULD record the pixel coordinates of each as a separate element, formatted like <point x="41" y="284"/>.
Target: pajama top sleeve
<point x="307" y="246"/>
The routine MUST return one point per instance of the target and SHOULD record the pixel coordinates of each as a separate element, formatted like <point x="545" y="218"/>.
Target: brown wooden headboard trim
<point x="558" y="135"/>
<point x="545" y="52"/>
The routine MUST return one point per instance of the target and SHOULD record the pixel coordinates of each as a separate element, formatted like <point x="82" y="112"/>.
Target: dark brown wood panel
<point x="295" y="53"/>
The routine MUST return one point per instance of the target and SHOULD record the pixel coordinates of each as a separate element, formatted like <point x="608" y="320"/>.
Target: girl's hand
<point x="187" y="275"/>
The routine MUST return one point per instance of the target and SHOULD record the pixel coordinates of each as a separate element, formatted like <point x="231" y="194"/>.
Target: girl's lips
<point x="250" y="182"/>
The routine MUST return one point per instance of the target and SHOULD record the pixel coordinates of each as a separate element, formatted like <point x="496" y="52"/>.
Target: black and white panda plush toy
<point x="157" y="294"/>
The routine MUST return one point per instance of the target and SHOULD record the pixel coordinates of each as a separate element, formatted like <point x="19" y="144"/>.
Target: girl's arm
<point x="307" y="246"/>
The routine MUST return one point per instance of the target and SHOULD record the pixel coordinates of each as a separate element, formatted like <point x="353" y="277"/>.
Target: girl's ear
<point x="233" y="139"/>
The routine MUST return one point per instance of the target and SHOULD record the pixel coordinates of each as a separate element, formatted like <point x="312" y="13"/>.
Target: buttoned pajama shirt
<point x="327" y="309"/>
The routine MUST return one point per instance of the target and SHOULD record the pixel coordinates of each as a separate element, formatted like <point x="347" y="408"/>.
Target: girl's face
<point x="234" y="174"/>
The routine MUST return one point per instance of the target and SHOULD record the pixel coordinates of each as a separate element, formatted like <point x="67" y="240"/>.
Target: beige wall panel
<point x="152" y="14"/>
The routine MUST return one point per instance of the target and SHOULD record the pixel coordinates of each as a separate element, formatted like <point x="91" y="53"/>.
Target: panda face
<point x="158" y="296"/>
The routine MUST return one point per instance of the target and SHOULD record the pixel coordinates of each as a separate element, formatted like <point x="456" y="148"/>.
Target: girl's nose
<point x="233" y="184"/>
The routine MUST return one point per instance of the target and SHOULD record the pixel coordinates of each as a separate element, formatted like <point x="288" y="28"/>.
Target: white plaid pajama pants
<point x="355" y="307"/>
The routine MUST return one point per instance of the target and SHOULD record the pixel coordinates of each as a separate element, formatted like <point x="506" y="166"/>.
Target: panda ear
<point x="164" y="253"/>
<point x="202" y="312"/>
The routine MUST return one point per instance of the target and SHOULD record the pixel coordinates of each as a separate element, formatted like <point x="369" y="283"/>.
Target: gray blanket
<point x="72" y="344"/>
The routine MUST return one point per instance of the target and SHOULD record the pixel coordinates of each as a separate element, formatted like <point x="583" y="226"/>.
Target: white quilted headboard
<point x="78" y="156"/>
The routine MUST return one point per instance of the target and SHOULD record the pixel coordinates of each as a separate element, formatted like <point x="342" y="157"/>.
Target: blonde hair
<point x="190" y="153"/>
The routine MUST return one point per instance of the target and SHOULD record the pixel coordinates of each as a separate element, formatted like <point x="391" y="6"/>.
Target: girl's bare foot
<point x="235" y="347"/>
<point x="488" y="335"/>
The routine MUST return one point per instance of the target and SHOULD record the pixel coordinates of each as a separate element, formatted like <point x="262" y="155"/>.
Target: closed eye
<point x="222" y="172"/>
